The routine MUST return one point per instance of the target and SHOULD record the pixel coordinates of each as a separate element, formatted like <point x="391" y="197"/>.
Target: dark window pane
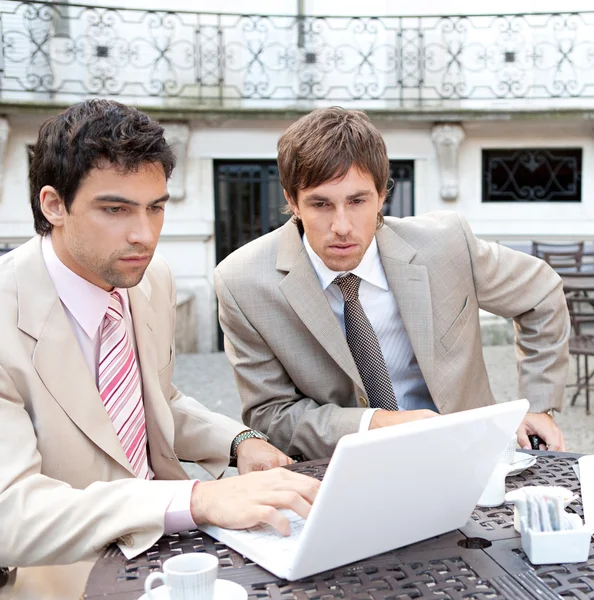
<point x="532" y="175"/>
<point x="248" y="203"/>
<point x="400" y="199"/>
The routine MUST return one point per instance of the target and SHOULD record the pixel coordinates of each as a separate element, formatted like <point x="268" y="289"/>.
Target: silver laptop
<point x="385" y="489"/>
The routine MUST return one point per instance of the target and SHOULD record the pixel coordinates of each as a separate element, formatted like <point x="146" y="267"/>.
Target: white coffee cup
<point x="189" y="576"/>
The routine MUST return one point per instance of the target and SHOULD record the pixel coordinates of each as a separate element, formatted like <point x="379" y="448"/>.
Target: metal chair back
<point x="562" y="257"/>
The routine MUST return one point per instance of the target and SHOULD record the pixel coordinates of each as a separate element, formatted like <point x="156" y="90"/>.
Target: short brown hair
<point x="323" y="145"/>
<point x="72" y="143"/>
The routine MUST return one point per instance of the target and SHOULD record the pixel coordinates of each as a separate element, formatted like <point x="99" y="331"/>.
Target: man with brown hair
<point x="338" y="321"/>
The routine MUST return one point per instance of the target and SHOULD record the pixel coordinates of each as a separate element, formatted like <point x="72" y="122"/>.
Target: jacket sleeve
<point x="201" y="435"/>
<point x="46" y="521"/>
<point x="524" y="288"/>
<point x="271" y="403"/>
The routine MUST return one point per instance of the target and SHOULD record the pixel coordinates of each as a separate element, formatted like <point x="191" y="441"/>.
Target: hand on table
<point x="385" y="418"/>
<point x="545" y="427"/>
<point x="247" y="500"/>
<point x="255" y="454"/>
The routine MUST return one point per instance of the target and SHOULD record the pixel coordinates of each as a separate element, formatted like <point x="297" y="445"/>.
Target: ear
<point x="381" y="200"/>
<point x="52" y="206"/>
<point x="292" y="204"/>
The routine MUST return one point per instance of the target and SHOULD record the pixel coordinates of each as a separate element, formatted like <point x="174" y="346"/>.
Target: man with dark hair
<point x="89" y="418"/>
<point x="338" y="322"/>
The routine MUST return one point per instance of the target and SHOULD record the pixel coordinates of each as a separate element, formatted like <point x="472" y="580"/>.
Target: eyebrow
<point x="319" y="197"/>
<point x="121" y="200"/>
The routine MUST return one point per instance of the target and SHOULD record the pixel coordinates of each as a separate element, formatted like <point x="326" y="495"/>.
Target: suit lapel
<point x="57" y="357"/>
<point x="410" y="285"/>
<point x="301" y="287"/>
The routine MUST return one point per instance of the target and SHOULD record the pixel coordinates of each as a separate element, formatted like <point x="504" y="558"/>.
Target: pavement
<point x="209" y="379"/>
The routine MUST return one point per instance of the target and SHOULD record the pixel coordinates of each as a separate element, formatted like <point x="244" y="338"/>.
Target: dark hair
<point x="324" y="144"/>
<point x="72" y="143"/>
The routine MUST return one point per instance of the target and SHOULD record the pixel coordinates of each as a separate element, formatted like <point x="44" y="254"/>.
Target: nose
<point x="341" y="223"/>
<point x="143" y="232"/>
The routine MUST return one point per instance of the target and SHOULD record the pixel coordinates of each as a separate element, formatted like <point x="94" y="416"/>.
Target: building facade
<point x="487" y="115"/>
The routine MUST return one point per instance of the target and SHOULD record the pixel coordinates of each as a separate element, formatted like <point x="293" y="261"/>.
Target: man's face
<point x="340" y="218"/>
<point x="111" y="232"/>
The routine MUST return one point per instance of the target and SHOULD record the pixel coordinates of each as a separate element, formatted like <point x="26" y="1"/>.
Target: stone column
<point x="447" y="138"/>
<point x="177" y="135"/>
<point x="4" y="134"/>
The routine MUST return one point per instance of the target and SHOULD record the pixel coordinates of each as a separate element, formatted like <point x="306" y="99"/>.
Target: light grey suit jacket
<point x="296" y="376"/>
<point x="66" y="486"/>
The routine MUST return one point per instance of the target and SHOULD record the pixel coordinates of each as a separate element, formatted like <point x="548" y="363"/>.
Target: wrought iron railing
<point x="55" y="51"/>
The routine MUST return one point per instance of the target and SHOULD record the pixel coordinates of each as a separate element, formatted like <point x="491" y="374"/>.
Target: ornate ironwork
<point x="62" y="51"/>
<point x="532" y="175"/>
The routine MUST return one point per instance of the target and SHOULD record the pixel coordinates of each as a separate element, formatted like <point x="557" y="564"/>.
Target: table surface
<point x="483" y="560"/>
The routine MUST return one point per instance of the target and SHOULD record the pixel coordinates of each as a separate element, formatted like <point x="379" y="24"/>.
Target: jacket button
<point x="363" y="401"/>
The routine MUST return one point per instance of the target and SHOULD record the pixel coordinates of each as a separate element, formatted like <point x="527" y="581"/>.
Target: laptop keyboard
<point x="267" y="539"/>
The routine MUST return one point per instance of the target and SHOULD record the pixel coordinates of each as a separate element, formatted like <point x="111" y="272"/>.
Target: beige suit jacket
<point x="66" y="486"/>
<point x="296" y="376"/>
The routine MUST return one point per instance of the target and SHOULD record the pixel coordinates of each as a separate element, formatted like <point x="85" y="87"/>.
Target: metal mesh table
<point x="482" y="561"/>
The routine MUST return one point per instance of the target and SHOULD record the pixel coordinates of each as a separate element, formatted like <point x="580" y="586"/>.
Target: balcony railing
<point x="62" y="52"/>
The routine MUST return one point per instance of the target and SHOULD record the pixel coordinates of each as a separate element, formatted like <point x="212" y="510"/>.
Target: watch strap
<point x="241" y="437"/>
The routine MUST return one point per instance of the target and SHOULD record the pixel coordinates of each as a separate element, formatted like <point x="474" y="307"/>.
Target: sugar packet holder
<point x="519" y="497"/>
<point x="556" y="538"/>
<point x="553" y="547"/>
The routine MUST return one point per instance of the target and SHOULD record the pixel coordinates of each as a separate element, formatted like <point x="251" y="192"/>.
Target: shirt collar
<point x="370" y="268"/>
<point x="86" y="302"/>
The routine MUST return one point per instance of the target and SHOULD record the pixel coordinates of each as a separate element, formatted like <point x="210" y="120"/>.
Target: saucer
<point x="524" y="461"/>
<point x="224" y="590"/>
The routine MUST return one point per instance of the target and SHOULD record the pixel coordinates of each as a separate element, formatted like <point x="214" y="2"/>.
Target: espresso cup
<point x="189" y="576"/>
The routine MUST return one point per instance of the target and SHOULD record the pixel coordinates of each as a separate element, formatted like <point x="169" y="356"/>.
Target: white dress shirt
<point x="379" y="304"/>
<point x="85" y="305"/>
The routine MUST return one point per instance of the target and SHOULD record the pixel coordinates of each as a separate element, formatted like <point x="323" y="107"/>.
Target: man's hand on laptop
<point x="257" y="455"/>
<point x="248" y="500"/>
<point x="385" y="418"/>
<point x="542" y="425"/>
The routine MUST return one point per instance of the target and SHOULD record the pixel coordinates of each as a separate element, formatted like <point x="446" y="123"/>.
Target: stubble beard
<point x="117" y="279"/>
<point x="346" y="264"/>
<point x="108" y="271"/>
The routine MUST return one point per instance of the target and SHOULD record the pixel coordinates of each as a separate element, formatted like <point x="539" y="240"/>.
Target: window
<point x="248" y="202"/>
<point x="532" y="175"/>
<point x="400" y="198"/>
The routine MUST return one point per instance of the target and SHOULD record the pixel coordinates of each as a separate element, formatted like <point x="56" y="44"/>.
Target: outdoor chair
<point x="562" y="257"/>
<point x="581" y="339"/>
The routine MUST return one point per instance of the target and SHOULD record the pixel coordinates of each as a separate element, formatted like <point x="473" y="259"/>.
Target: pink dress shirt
<point x="85" y="305"/>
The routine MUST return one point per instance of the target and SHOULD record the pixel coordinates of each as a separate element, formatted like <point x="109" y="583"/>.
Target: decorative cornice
<point x="4" y="135"/>
<point x="177" y="135"/>
<point x="447" y="138"/>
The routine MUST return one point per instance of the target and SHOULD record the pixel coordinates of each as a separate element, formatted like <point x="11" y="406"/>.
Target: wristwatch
<point x="550" y="412"/>
<point x="241" y="437"/>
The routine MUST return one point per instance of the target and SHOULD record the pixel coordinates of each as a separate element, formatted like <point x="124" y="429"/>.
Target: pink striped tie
<point x="119" y="386"/>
